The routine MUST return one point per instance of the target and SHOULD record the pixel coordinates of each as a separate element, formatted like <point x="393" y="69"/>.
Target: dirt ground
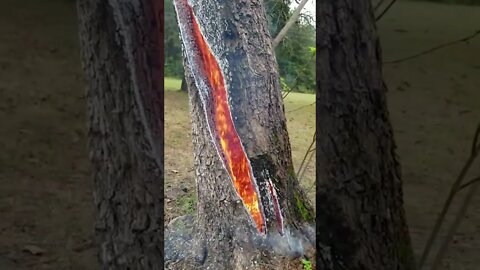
<point x="45" y="186"/>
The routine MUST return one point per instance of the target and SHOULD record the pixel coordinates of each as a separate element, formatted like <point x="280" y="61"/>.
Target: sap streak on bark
<point x="121" y="56"/>
<point x="361" y="221"/>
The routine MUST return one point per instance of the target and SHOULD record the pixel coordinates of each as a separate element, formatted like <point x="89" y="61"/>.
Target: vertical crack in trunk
<point x="210" y="82"/>
<point x="276" y="206"/>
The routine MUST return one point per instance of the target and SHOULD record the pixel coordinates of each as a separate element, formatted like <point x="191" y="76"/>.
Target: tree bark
<point x="121" y="54"/>
<point x="361" y="222"/>
<point x="183" y="87"/>
<point x="225" y="237"/>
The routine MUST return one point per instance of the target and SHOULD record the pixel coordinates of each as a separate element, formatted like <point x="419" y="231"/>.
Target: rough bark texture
<point x="121" y="50"/>
<point x="225" y="238"/>
<point x="183" y="87"/>
<point x="361" y="222"/>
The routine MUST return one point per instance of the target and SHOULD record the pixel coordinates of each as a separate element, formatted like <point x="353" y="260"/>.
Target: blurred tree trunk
<point x="225" y="236"/>
<point x="121" y="54"/>
<point x="183" y="88"/>
<point x="361" y="223"/>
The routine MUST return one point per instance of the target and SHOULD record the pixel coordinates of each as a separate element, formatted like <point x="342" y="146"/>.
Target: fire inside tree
<point x="246" y="185"/>
<point x="209" y="78"/>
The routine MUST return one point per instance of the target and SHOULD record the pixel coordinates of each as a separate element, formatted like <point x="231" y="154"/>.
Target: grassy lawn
<point x="172" y="83"/>
<point x="300" y="113"/>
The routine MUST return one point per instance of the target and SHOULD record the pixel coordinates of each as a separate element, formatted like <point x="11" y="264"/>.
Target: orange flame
<point x="237" y="160"/>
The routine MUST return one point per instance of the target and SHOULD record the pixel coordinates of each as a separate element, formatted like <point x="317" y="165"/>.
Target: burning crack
<point x="211" y="86"/>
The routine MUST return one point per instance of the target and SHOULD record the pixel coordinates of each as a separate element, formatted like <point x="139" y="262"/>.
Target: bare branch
<point x="465" y="39"/>
<point x="302" y="173"/>
<point x="469" y="183"/>
<point x="306" y="154"/>
<point x="453" y="228"/>
<point x="289" y="24"/>
<point x="302" y="107"/>
<point x="378" y="5"/>
<point x="475" y="147"/>
<point x="291" y="89"/>
<point x="453" y="191"/>
<point x="385" y="10"/>
<point x="295" y="86"/>
<point x="309" y="18"/>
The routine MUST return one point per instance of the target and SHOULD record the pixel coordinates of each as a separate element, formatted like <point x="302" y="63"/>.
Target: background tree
<point x="296" y="65"/>
<point x="121" y="56"/>
<point x="361" y="222"/>
<point x="172" y="46"/>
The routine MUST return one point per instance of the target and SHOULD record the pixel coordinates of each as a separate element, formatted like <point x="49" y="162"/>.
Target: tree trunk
<point x="121" y="53"/>
<point x="361" y="222"/>
<point x="183" y="88"/>
<point x="226" y="234"/>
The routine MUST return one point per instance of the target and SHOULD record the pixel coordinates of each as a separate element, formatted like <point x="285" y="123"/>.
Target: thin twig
<point x="377" y="6"/>
<point x="312" y="186"/>
<point x="441" y="46"/>
<point x="461" y="213"/>
<point x="302" y="107"/>
<point x="300" y="176"/>
<point x="446" y="206"/>
<point x="385" y="10"/>
<point x="306" y="154"/>
<point x="475" y="147"/>
<point x="295" y="86"/>
<point x="291" y="89"/>
<point x="474" y="180"/>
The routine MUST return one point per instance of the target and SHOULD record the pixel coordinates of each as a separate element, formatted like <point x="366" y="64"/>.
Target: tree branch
<point x="302" y="107"/>
<point x="296" y="82"/>
<point x="289" y="24"/>
<point x="385" y="10"/>
<point x="453" y="191"/>
<point x="475" y="147"/>
<point x="469" y="183"/>
<point x="465" y="39"/>
<point x="290" y="89"/>
<point x="378" y="5"/>
<point x="302" y="173"/>
<point x="306" y="154"/>
<point x="453" y="228"/>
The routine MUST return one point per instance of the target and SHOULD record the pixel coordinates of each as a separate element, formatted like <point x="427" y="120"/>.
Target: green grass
<point x="172" y="84"/>
<point x="187" y="203"/>
<point x="307" y="265"/>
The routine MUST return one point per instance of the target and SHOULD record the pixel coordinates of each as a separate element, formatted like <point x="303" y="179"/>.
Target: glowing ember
<point x="236" y="159"/>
